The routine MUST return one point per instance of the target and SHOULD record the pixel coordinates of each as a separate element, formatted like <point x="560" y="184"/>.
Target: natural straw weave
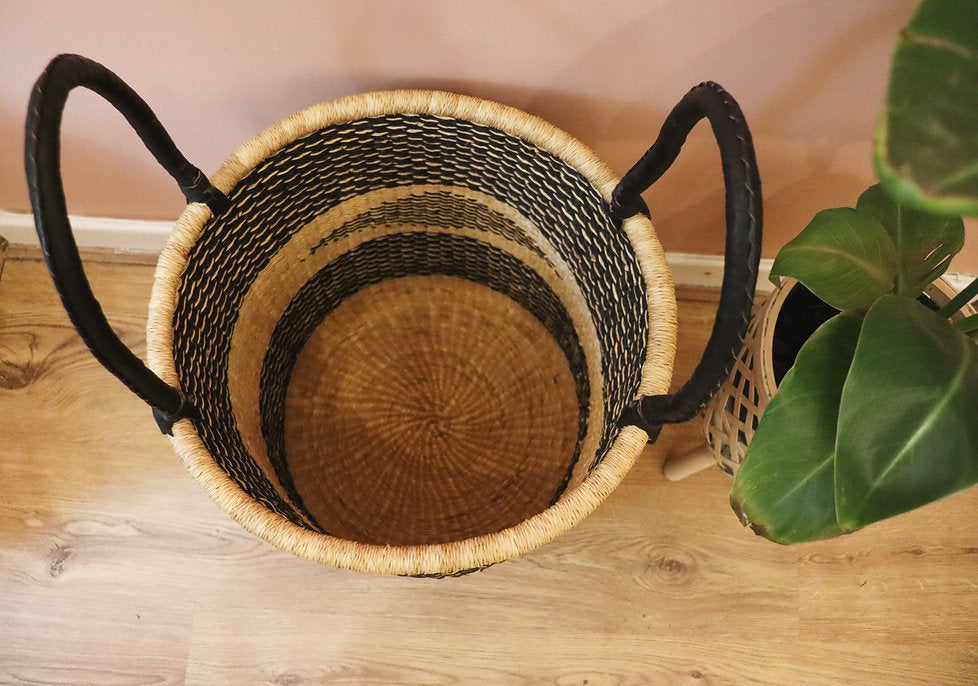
<point x="735" y="410"/>
<point x="413" y="334"/>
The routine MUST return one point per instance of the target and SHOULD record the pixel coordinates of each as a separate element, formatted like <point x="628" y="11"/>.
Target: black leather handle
<point x="42" y="156"/>
<point x="743" y="243"/>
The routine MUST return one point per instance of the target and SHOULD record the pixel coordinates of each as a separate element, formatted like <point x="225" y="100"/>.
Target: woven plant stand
<point x="732" y="416"/>
<point x="408" y="332"/>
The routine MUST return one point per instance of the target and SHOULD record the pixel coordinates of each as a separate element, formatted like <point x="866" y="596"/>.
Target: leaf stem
<point x="960" y="300"/>
<point x="968" y="324"/>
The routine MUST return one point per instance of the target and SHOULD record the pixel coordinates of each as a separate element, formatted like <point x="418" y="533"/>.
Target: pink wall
<point x="810" y="77"/>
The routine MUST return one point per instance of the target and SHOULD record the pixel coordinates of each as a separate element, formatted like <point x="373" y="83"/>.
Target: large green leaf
<point x="908" y="420"/>
<point x="785" y="487"/>
<point x="844" y="256"/>
<point x="924" y="242"/>
<point x="927" y="138"/>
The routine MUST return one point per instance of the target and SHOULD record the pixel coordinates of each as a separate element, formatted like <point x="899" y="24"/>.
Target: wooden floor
<point x="115" y="567"/>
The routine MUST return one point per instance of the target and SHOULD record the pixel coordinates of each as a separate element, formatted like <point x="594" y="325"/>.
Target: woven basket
<point x="733" y="414"/>
<point x="407" y="332"/>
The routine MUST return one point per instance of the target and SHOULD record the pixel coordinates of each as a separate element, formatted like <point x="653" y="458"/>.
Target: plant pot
<point x="733" y="414"/>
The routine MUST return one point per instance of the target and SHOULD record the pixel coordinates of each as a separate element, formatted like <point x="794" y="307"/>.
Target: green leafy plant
<point x="879" y="414"/>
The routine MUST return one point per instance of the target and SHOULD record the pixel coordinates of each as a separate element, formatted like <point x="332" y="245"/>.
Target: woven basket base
<point x="426" y="410"/>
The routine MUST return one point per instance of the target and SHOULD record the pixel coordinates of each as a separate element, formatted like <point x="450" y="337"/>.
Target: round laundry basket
<point x="408" y="332"/>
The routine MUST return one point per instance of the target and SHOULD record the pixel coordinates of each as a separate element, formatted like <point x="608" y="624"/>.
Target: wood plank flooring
<point x="115" y="567"/>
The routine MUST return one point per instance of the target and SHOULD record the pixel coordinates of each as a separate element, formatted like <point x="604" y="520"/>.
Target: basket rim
<point x="427" y="559"/>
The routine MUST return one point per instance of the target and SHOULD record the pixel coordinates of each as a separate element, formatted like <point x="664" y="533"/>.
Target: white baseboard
<point x="92" y="232"/>
<point x="140" y="235"/>
<point x="706" y="271"/>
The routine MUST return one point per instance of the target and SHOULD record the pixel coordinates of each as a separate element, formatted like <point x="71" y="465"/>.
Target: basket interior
<point x="410" y="329"/>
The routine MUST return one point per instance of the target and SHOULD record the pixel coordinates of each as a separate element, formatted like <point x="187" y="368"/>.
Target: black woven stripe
<point x="392" y="257"/>
<point x="437" y="209"/>
<point x="448" y="575"/>
<point x="313" y="174"/>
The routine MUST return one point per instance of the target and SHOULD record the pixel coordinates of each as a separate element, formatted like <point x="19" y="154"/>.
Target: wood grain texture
<point x="115" y="568"/>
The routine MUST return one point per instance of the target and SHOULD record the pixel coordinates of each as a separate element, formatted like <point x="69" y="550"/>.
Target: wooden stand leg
<point x="3" y="253"/>
<point x="680" y="467"/>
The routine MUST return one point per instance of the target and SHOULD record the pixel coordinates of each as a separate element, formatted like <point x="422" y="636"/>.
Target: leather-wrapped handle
<point x="742" y="186"/>
<point x="42" y="155"/>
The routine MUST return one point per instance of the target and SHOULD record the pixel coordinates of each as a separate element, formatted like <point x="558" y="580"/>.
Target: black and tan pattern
<point x="444" y="364"/>
<point x="309" y="176"/>
<point x="338" y="333"/>
<point x="382" y="260"/>
<point x="438" y="209"/>
<point x="321" y="230"/>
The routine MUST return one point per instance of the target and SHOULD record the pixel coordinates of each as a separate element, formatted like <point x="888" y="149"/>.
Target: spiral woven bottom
<point x="429" y="409"/>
